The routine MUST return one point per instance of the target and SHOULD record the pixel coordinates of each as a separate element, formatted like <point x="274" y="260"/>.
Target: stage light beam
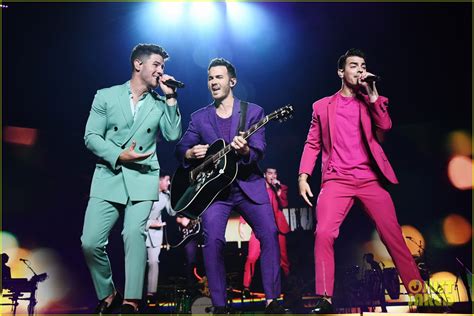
<point x="203" y="13"/>
<point x="170" y="12"/>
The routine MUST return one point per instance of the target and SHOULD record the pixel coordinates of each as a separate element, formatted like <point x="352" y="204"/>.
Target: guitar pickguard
<point x="206" y="175"/>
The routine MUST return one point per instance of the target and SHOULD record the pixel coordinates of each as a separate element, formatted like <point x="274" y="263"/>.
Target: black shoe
<point x="103" y="308"/>
<point x="215" y="310"/>
<point x="128" y="309"/>
<point x="275" y="308"/>
<point x="323" y="306"/>
<point x="150" y="299"/>
<point x="246" y="293"/>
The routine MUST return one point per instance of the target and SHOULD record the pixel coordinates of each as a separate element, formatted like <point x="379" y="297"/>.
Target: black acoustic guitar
<point x="194" y="189"/>
<point x="179" y="230"/>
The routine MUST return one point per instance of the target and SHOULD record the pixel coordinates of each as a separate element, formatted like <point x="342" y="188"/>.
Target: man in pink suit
<point x="278" y="194"/>
<point x="347" y="128"/>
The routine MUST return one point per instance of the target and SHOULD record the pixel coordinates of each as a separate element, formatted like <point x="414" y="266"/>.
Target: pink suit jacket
<point x="280" y="219"/>
<point x="375" y="122"/>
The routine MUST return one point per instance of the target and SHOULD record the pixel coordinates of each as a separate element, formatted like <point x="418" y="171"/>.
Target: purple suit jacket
<point x="203" y="129"/>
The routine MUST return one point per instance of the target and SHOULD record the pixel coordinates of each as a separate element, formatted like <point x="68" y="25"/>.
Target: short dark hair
<point x="341" y="62"/>
<point x="145" y="50"/>
<point x="223" y="62"/>
<point x="266" y="169"/>
<point x="164" y="174"/>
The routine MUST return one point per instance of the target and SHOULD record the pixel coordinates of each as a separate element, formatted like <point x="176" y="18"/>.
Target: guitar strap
<point x="243" y="116"/>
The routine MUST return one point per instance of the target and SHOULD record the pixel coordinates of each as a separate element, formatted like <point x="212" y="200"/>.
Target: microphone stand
<point x="456" y="288"/>
<point x="422" y="252"/>
<point x="29" y="267"/>
<point x="464" y="279"/>
<point x="32" y="298"/>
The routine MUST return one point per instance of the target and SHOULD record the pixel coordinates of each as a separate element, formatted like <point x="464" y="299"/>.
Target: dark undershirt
<point x="224" y="127"/>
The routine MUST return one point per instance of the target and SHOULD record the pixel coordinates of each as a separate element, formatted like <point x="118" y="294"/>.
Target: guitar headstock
<point x="282" y="114"/>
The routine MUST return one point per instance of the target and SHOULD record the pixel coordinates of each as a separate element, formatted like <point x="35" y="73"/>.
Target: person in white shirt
<point x="154" y="232"/>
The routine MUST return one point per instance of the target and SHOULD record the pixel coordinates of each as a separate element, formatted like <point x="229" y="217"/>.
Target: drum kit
<point x="366" y="287"/>
<point x="435" y="294"/>
<point x="193" y="301"/>
<point x="184" y="300"/>
<point x="201" y="305"/>
<point x="186" y="304"/>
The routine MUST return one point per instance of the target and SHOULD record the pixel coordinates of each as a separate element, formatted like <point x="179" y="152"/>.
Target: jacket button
<point x="148" y="130"/>
<point x="123" y="146"/>
<point x="115" y="128"/>
<point x="140" y="148"/>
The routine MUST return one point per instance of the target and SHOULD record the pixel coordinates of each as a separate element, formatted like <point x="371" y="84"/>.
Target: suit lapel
<point x="332" y="106"/>
<point x="211" y="112"/>
<point x="364" y="115"/>
<point x="142" y="113"/>
<point x="124" y="102"/>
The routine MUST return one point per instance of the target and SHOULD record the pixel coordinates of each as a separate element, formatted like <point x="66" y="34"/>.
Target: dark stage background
<point x="56" y="55"/>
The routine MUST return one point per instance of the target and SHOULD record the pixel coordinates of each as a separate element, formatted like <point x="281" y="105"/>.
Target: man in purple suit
<point x="247" y="194"/>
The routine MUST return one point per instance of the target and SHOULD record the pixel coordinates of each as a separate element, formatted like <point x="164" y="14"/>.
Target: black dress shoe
<point x="246" y="293"/>
<point x="150" y="299"/>
<point x="275" y="308"/>
<point x="104" y="308"/>
<point x="323" y="306"/>
<point x="128" y="309"/>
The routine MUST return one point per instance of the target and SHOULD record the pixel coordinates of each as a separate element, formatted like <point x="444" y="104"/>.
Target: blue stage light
<point x="249" y="22"/>
<point x="170" y="11"/>
<point x="203" y="13"/>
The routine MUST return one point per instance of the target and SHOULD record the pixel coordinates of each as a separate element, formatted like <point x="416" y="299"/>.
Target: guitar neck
<point x="252" y="130"/>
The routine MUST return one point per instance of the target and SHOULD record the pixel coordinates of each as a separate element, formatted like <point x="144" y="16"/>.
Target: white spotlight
<point x="169" y="11"/>
<point x="203" y="12"/>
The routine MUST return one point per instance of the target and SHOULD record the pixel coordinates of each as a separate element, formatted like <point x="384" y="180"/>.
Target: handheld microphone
<point x="276" y="184"/>
<point x="371" y="78"/>
<point x="174" y="83"/>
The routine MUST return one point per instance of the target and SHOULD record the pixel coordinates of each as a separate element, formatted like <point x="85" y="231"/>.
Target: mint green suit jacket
<point x="110" y="129"/>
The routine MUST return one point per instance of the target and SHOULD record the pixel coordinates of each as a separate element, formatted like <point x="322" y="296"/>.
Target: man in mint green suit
<point x="121" y="131"/>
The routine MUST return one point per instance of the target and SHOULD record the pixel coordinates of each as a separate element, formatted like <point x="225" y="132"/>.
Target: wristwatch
<point x="171" y="95"/>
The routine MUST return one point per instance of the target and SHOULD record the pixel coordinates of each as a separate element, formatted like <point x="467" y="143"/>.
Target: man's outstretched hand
<point x="130" y="155"/>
